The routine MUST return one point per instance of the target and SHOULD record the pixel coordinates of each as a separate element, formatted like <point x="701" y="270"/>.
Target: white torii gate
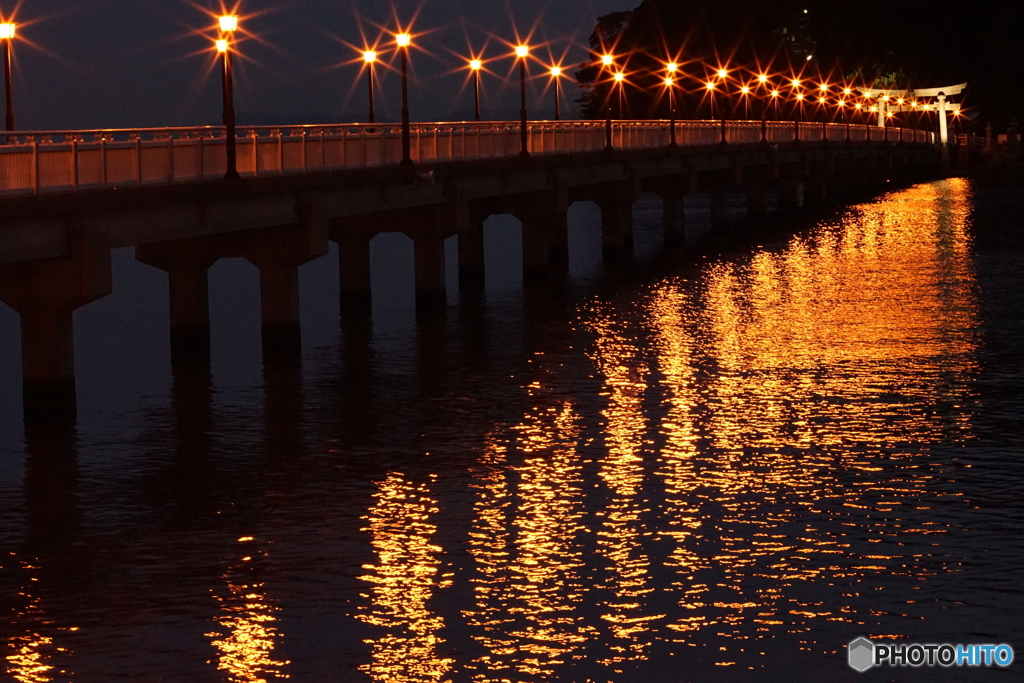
<point x="941" y="105"/>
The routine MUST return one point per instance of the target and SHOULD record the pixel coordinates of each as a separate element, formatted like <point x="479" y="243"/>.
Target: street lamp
<point x="403" y="41"/>
<point x="522" y="52"/>
<point x="369" y="57"/>
<point x="228" y="25"/>
<point x="556" y="74"/>
<point x="670" y="83"/>
<point x="7" y="36"/>
<point x="475" y="65"/>
<point x="620" y="78"/>
<point x="710" y="87"/>
<point x="745" y="91"/>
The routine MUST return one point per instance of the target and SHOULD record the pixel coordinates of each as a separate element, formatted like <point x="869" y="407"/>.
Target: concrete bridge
<point x="67" y="198"/>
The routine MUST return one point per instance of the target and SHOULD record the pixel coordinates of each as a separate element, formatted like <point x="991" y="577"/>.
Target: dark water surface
<point x="722" y="468"/>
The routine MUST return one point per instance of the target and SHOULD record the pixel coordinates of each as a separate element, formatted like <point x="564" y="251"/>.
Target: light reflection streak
<point x="529" y="584"/>
<point x="403" y="582"/>
<point x="32" y="655"/>
<point x="860" y="334"/>
<point x="246" y="634"/>
<point x="621" y="535"/>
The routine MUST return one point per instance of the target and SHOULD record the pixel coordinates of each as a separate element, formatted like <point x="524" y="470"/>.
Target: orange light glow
<point x="821" y="100"/>
<point x="800" y="96"/>
<point x="710" y="85"/>
<point x="370" y="56"/>
<point x="775" y="93"/>
<point x="722" y="73"/>
<point x="669" y="81"/>
<point x="762" y="78"/>
<point x="522" y="51"/>
<point x="795" y="82"/>
<point x="403" y="39"/>
<point x="847" y="92"/>
<point x="823" y="87"/>
<point x="607" y="60"/>
<point x="859" y="105"/>
<point x="672" y="67"/>
<point x="7" y="31"/>
<point x="476" y="64"/>
<point x="745" y="90"/>
<point x="619" y="77"/>
<point x="899" y="101"/>
<point x="222" y="45"/>
<point x="556" y="71"/>
<point x="228" y="23"/>
<point x="841" y="103"/>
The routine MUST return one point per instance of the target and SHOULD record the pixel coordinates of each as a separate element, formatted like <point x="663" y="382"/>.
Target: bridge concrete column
<point x="353" y="271"/>
<point x="757" y="205"/>
<point x="45" y="292"/>
<point x="278" y="253"/>
<point x="545" y="231"/>
<point x="789" y="195"/>
<point x="431" y="294"/>
<point x="472" y="273"/>
<point x="719" y="207"/>
<point x="616" y="202"/>
<point x="186" y="264"/>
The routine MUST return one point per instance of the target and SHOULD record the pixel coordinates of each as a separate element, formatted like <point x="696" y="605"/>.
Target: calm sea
<point x="719" y="465"/>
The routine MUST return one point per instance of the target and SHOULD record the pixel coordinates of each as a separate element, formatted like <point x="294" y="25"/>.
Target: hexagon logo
<point x="861" y="654"/>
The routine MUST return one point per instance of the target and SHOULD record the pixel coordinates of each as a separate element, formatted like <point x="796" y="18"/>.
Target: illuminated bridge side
<point x="70" y="198"/>
<point x="60" y="161"/>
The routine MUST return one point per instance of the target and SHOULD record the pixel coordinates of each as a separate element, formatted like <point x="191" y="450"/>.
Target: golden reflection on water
<point x="404" y="580"/>
<point x="247" y="634"/>
<point x="31" y="654"/>
<point x="621" y="534"/>
<point x="852" y="336"/>
<point x="528" y="584"/>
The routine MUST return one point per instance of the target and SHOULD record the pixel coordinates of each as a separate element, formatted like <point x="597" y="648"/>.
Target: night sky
<point x="140" y="63"/>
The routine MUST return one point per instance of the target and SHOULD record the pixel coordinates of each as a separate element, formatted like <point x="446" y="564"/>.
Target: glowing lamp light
<point x="914" y="105"/>
<point x="775" y="93"/>
<point x="522" y="51"/>
<point x="672" y="67"/>
<point x="7" y="31"/>
<point x="823" y="87"/>
<point x="222" y="45"/>
<point x="762" y="78"/>
<point x="847" y="92"/>
<point x="859" y="105"/>
<point x="889" y="114"/>
<point x="370" y="56"/>
<point x="745" y="90"/>
<point x="841" y="103"/>
<point x="884" y="98"/>
<point x="476" y="64"/>
<point x="722" y="73"/>
<point x="607" y="60"/>
<point x="669" y="81"/>
<point x="821" y="100"/>
<point x="874" y="109"/>
<point x="228" y="23"/>
<point x="619" y="77"/>
<point x="800" y="96"/>
<point x="556" y="71"/>
<point x="403" y="39"/>
<point x="710" y="85"/>
<point x="795" y="82"/>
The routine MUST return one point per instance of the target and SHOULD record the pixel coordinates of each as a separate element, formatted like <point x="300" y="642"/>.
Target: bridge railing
<point x="53" y="161"/>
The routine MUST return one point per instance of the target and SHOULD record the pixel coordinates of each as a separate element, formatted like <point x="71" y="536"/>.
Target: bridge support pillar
<point x="472" y="274"/>
<point x="719" y="207"/>
<point x="789" y="195"/>
<point x="353" y="272"/>
<point x="617" y="222"/>
<point x="431" y="295"/>
<point x="278" y="253"/>
<point x="757" y="205"/>
<point x="188" y="286"/>
<point x="545" y="231"/>
<point x="815" y="192"/>
<point x="45" y="293"/>
<point x="673" y="220"/>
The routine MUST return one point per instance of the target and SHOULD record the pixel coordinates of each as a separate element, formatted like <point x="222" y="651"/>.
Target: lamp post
<point x="369" y="57"/>
<point x="620" y="78"/>
<point x="670" y="83"/>
<point x="710" y="87"/>
<point x="745" y="92"/>
<point x="556" y="74"/>
<point x="522" y="52"/>
<point x="228" y="25"/>
<point x="7" y="36"/>
<point x="607" y="61"/>
<point x="403" y="41"/>
<point x="475" y="65"/>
